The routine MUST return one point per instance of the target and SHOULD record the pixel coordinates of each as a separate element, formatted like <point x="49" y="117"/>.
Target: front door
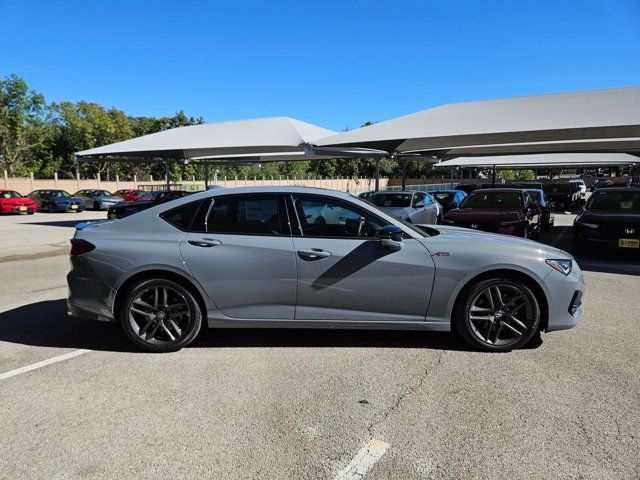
<point x="241" y="252"/>
<point x="344" y="273"/>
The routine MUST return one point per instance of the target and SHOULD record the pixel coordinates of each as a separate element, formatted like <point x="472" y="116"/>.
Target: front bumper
<point x="26" y="209"/>
<point x="604" y="235"/>
<point x="565" y="298"/>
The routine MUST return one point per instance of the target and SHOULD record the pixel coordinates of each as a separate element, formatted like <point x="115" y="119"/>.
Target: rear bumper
<point x="89" y="297"/>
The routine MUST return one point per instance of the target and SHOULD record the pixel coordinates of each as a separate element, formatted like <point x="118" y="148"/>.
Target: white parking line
<point x="44" y="363"/>
<point x="364" y="460"/>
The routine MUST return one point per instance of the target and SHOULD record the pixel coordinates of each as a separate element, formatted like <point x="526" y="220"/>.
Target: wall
<point x="24" y="185"/>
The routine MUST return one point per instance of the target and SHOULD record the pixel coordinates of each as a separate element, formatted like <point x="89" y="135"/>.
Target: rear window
<point x="492" y="200"/>
<point x="559" y="188"/>
<point x="391" y="200"/>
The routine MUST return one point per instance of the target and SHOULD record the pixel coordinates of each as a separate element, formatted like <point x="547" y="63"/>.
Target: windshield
<point x="492" y="200"/>
<point x="536" y="195"/>
<point x="391" y="200"/>
<point x="558" y="188"/>
<point x="444" y="196"/>
<point x="615" y="201"/>
<point x="10" y="195"/>
<point x="99" y="193"/>
<point x="55" y="194"/>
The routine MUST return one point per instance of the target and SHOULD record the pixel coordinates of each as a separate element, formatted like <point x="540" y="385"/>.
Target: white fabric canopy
<point x="243" y="137"/>
<point x="541" y="161"/>
<point x="597" y="120"/>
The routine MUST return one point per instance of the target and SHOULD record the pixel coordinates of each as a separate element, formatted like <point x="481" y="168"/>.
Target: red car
<point x="12" y="202"/>
<point x="129" y="194"/>
<point x="498" y="210"/>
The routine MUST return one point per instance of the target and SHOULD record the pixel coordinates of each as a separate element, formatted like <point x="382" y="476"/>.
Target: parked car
<point x="98" y="199"/>
<point x="411" y="206"/>
<point x="449" y="199"/>
<point x="611" y="218"/>
<point x="581" y="185"/>
<point x="366" y="195"/>
<point x="601" y="182"/>
<point x="12" y="202"/>
<point x="148" y="200"/>
<point x="466" y="187"/>
<point x="527" y="184"/>
<point x="165" y="272"/>
<point x="499" y="210"/>
<point x="129" y="194"/>
<point x="538" y="198"/>
<point x="563" y="196"/>
<point x="56" y="201"/>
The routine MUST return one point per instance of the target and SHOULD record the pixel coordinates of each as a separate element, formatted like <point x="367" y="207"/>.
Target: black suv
<point x="563" y="196"/>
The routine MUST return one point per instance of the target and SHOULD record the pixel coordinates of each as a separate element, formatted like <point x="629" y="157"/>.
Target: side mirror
<point x="391" y="237"/>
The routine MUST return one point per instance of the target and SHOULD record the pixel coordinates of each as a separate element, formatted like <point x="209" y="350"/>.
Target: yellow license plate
<point x="74" y="207"/>
<point x="629" y="243"/>
<point x="22" y="209"/>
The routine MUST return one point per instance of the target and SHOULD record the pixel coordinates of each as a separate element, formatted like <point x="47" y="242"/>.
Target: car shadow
<point x="594" y="258"/>
<point x="46" y="324"/>
<point x="64" y="223"/>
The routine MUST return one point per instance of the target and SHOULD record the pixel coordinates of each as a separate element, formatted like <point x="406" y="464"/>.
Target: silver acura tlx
<point x="312" y="258"/>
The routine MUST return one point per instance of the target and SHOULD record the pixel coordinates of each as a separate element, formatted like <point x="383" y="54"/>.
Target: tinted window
<point x="615" y="201"/>
<point x="391" y="200"/>
<point x="445" y="197"/>
<point x="250" y="214"/>
<point x="493" y="200"/>
<point x="421" y="197"/>
<point x="10" y="194"/>
<point x="329" y="217"/>
<point x="558" y="188"/>
<point x="183" y="216"/>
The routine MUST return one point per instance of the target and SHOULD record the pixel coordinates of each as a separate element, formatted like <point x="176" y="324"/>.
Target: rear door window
<point x="246" y="215"/>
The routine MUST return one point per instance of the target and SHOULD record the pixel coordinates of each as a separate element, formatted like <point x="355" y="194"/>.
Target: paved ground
<point x="299" y="404"/>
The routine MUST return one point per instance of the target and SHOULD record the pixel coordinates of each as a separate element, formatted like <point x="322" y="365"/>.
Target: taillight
<point x="79" y="247"/>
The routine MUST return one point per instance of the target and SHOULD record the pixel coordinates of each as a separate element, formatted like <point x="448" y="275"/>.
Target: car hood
<point x="609" y="217"/>
<point x="488" y="215"/>
<point x="402" y="212"/>
<point x="477" y="239"/>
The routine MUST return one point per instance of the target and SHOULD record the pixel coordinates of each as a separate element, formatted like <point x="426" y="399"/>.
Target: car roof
<point x="447" y="191"/>
<point x="618" y="189"/>
<point x="497" y="190"/>
<point x="397" y="191"/>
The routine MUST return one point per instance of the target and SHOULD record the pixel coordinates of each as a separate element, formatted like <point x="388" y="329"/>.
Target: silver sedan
<point x="412" y="206"/>
<point x="311" y="258"/>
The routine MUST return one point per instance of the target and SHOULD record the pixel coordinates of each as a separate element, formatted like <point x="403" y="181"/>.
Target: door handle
<point x="313" y="254"/>
<point x="205" y="242"/>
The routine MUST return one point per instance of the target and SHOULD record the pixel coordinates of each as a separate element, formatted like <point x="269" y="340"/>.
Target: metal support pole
<point x="404" y="175"/>
<point x="206" y="176"/>
<point x="166" y="175"/>
<point x="494" y="175"/>
<point x="377" y="184"/>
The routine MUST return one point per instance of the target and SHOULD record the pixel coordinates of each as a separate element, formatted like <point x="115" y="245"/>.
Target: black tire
<point x="472" y="332"/>
<point x="132" y="322"/>
<point x="96" y="205"/>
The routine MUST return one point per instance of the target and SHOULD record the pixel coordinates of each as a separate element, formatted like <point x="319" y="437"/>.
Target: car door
<point x="239" y="249"/>
<point x="345" y="274"/>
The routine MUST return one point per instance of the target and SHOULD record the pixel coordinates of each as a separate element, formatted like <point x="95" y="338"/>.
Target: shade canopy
<point x="541" y="161"/>
<point x="593" y="121"/>
<point x="242" y="137"/>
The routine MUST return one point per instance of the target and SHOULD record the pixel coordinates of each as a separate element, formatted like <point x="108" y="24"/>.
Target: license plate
<point x="22" y="209"/>
<point x="74" y="207"/>
<point x="629" y="243"/>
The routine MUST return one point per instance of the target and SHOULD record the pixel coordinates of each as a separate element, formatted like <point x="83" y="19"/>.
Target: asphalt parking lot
<point x="300" y="404"/>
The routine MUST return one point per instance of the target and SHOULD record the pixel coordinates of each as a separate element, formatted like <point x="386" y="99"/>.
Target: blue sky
<point x="334" y="63"/>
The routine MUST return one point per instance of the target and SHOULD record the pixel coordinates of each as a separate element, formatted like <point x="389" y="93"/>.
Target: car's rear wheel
<point x="52" y="208"/>
<point x="497" y="314"/>
<point x="159" y="315"/>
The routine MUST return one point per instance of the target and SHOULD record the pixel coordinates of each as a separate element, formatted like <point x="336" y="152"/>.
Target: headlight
<point x="563" y="266"/>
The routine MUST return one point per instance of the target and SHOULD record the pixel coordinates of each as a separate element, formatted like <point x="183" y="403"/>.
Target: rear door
<point x="239" y="248"/>
<point x="345" y="274"/>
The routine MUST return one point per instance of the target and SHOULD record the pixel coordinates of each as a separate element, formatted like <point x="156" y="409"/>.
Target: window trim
<point x="336" y="199"/>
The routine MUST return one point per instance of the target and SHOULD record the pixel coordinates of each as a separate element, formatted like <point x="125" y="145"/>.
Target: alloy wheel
<point x="159" y="315"/>
<point x="500" y="315"/>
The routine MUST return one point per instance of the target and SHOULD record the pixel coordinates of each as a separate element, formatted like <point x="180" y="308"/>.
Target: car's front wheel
<point x="159" y="315"/>
<point x="497" y="314"/>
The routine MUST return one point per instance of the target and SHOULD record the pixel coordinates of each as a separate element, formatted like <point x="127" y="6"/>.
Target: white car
<point x="581" y="184"/>
<point x="412" y="206"/>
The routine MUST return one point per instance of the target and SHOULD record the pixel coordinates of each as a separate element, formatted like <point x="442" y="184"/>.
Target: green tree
<point x="22" y="121"/>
